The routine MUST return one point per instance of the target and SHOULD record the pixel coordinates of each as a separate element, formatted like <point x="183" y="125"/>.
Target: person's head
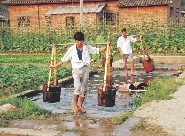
<point x="79" y="38"/>
<point x="123" y="31"/>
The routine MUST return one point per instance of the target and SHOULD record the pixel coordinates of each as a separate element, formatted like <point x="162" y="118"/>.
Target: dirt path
<point x="169" y="114"/>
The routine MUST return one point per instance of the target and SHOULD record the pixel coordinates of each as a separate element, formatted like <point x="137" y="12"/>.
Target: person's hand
<point x="52" y="67"/>
<point x="139" y="36"/>
<point x="108" y="43"/>
<point x="104" y="48"/>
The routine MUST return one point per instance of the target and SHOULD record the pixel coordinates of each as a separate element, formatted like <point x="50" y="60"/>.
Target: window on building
<point x="23" y="21"/>
<point x="70" y="22"/>
<point x="48" y="21"/>
<point x="171" y="12"/>
<point x="177" y="15"/>
<point x="112" y="18"/>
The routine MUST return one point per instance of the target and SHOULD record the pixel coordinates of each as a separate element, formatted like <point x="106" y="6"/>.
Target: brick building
<point x="161" y="10"/>
<point x="36" y="14"/>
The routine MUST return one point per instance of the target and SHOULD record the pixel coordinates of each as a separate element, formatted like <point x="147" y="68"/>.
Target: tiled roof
<point x="130" y="3"/>
<point x="31" y="1"/>
<point x="90" y="8"/>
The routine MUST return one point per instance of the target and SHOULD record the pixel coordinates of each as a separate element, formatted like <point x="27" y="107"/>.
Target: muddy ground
<point x="80" y="125"/>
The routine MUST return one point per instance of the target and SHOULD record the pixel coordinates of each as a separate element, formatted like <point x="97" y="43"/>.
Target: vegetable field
<point x="158" y="38"/>
<point x="17" y="78"/>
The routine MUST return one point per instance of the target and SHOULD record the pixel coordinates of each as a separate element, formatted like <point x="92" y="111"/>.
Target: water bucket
<point x="106" y="98"/>
<point x="51" y="95"/>
<point x="148" y="64"/>
<point x="104" y="60"/>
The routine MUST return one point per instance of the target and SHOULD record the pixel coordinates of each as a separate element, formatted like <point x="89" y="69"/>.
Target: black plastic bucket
<point x="51" y="95"/>
<point x="107" y="98"/>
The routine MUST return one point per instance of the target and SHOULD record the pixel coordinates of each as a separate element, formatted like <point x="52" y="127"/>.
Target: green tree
<point x="183" y="4"/>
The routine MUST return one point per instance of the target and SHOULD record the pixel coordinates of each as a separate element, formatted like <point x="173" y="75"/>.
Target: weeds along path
<point x="169" y="114"/>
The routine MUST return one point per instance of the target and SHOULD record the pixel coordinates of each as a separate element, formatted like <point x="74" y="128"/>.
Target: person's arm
<point x="138" y="37"/>
<point x="118" y="46"/>
<point x="104" y="48"/>
<point x="121" y="53"/>
<point x="135" y="39"/>
<point x="56" y="66"/>
<point x="66" y="57"/>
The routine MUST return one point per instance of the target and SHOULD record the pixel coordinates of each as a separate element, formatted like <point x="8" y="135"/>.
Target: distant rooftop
<point x="130" y="3"/>
<point x="90" y="8"/>
<point x="21" y="2"/>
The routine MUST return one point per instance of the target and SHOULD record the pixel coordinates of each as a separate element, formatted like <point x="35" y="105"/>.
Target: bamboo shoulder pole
<point x="49" y="79"/>
<point x="55" y="71"/>
<point x="108" y="60"/>
<point x="106" y="66"/>
<point x="69" y="44"/>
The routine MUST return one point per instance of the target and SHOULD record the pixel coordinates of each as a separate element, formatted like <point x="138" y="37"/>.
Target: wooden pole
<point x="69" y="44"/>
<point x="55" y="71"/>
<point x="81" y="13"/>
<point x="109" y="56"/>
<point x="106" y="68"/>
<point x="49" y="79"/>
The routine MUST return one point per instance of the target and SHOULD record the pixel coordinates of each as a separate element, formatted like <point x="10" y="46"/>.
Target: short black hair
<point x="79" y="36"/>
<point x="123" y="30"/>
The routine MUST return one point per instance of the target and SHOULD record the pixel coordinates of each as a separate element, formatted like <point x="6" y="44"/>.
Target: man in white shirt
<point x="124" y="47"/>
<point x="79" y="54"/>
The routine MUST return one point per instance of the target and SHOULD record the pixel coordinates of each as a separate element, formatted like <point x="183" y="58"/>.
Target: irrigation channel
<point x="123" y="100"/>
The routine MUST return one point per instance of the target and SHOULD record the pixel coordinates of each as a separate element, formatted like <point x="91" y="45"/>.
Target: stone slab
<point x="161" y="62"/>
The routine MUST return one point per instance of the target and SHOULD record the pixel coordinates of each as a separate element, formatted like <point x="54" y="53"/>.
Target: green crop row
<point x="17" y="78"/>
<point x="25" y="58"/>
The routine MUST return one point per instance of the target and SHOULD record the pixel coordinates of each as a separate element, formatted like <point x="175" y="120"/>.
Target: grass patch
<point x="161" y="88"/>
<point x="3" y="123"/>
<point x="119" y="119"/>
<point x="93" y="121"/>
<point x="74" y="130"/>
<point x="26" y="110"/>
<point x="148" y="127"/>
<point x="62" y="129"/>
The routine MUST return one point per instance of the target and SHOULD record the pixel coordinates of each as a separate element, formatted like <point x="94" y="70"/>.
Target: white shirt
<point x="124" y="44"/>
<point x="72" y="54"/>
